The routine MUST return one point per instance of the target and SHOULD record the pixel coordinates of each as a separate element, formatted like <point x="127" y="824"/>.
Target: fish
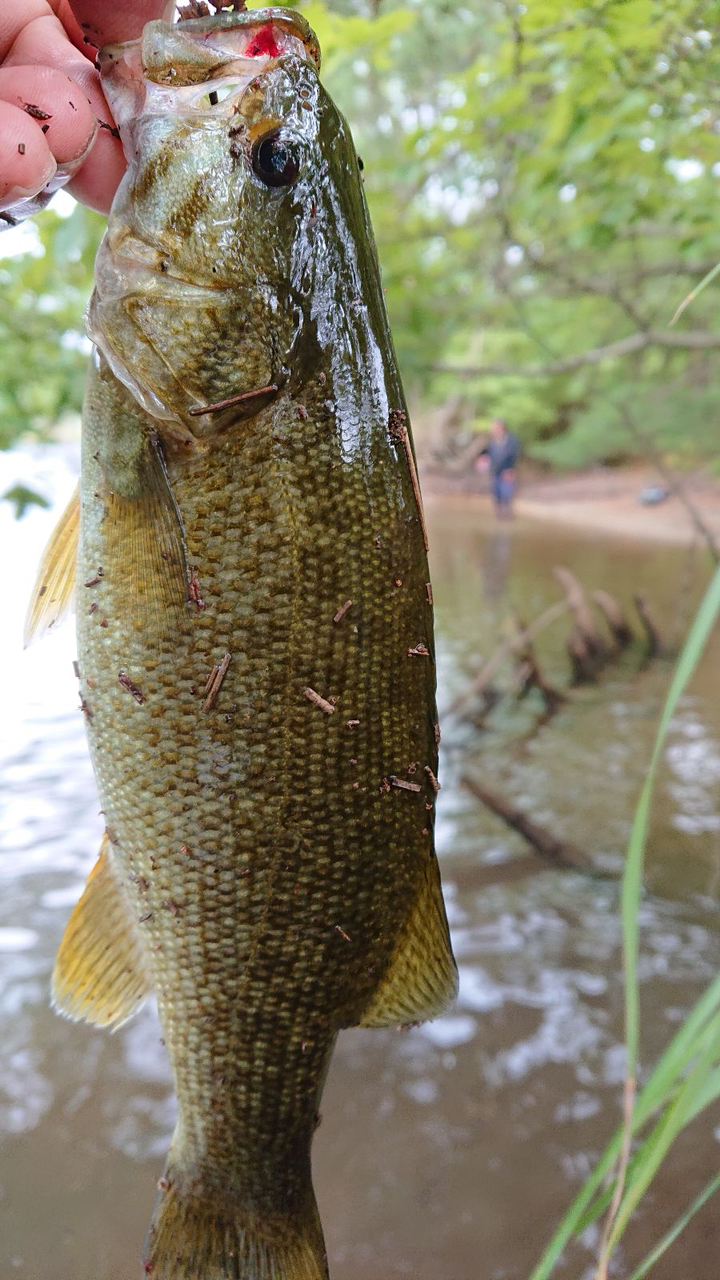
<point x="247" y="553"/>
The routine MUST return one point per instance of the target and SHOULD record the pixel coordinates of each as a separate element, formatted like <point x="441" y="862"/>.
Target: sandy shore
<point x="607" y="501"/>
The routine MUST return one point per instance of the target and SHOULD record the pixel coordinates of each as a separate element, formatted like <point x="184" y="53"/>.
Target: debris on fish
<point x="267" y="870"/>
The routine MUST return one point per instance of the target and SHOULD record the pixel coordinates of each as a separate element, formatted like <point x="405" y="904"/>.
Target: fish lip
<point x="288" y="20"/>
<point x="159" y="74"/>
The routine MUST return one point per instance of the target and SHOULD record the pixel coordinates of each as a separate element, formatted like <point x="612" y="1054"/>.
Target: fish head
<point x="205" y="283"/>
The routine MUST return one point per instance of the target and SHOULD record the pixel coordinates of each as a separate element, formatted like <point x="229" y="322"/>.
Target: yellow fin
<point x="145" y="538"/>
<point x="100" y="974"/>
<point x="196" y="1237"/>
<point x="54" y="590"/>
<point x="421" y="980"/>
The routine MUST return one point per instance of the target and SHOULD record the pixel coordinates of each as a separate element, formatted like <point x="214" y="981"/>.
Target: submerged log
<point x="559" y="853"/>
<point x="529" y="674"/>
<point x="652" y="635"/>
<point x="614" y="615"/>
<point x="582" y="659"/>
<point x="584" y="620"/>
<point x="504" y="650"/>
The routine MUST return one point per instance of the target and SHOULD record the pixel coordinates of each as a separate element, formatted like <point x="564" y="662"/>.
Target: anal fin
<point x="421" y="980"/>
<point x="54" y="590"/>
<point x="100" y="973"/>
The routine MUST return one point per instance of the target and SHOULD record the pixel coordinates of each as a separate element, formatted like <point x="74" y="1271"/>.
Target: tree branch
<point x="693" y="340"/>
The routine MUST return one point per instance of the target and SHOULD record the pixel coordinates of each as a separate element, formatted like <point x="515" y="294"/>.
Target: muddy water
<point x="447" y="1152"/>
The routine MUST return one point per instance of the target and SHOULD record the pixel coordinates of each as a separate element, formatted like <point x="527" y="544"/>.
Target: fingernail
<point x="68" y="168"/>
<point x="78" y="161"/>
<point x="18" y="195"/>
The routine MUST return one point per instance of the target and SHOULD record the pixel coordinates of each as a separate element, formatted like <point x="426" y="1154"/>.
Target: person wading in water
<point x="500" y="457"/>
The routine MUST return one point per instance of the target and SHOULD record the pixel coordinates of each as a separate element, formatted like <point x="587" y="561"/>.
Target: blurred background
<point x="543" y="182"/>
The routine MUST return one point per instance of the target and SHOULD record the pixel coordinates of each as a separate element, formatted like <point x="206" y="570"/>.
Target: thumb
<point x="124" y="20"/>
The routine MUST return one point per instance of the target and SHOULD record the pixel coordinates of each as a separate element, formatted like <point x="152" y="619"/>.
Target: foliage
<point x="43" y="353"/>
<point x="679" y="418"/>
<point x="543" y="181"/>
<point x="543" y="186"/>
<point x="686" y="1080"/>
<point x="22" y="498"/>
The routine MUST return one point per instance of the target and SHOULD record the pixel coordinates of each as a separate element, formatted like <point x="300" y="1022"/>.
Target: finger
<point x="46" y="45"/>
<point x="28" y="163"/>
<point x="57" y="104"/>
<point x="105" y="23"/>
<point x="14" y="15"/>
<point x="67" y="18"/>
<point x="99" y="178"/>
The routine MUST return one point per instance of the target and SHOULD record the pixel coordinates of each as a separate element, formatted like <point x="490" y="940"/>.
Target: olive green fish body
<point x="256" y="654"/>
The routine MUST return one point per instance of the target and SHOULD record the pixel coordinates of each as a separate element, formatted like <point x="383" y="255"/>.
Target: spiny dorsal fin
<point x="54" y="590"/>
<point x="421" y="980"/>
<point x="100" y="973"/>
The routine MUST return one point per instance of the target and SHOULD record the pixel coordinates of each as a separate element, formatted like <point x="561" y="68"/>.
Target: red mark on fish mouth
<point x="264" y="45"/>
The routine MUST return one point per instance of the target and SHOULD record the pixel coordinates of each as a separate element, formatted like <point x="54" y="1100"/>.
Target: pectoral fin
<point x="421" y="980"/>
<point x="100" y="974"/>
<point x="54" y="590"/>
<point x="145" y="540"/>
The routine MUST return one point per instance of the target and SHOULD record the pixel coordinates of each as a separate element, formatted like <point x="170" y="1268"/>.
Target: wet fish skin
<point x="266" y="873"/>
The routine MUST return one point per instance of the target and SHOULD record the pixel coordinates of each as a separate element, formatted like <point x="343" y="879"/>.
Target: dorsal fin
<point x="54" y="590"/>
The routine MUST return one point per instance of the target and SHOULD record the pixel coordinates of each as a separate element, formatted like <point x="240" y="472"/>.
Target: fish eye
<point x="276" y="160"/>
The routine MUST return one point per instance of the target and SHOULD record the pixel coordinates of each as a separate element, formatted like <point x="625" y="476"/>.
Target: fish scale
<point x="255" y="640"/>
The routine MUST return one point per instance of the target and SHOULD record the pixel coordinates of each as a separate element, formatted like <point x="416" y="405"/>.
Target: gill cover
<point x="184" y="314"/>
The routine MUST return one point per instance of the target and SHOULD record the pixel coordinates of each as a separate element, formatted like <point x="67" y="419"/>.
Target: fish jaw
<point x="175" y="66"/>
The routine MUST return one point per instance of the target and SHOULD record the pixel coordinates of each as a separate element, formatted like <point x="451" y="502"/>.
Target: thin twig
<point x="231" y="400"/>
<point x="433" y="780"/>
<point x="318" y="701"/>
<point x="400" y="433"/>
<point x="214" y="684"/>
<point x="131" y="687"/>
<point x="622" y="1168"/>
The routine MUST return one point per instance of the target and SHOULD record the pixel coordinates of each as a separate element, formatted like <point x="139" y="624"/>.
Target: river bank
<point x="603" y="500"/>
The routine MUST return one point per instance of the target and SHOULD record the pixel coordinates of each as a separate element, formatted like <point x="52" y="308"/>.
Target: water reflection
<point x="496" y="561"/>
<point x="433" y="1138"/>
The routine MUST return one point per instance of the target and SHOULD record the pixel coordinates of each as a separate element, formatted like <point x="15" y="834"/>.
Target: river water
<point x="450" y="1151"/>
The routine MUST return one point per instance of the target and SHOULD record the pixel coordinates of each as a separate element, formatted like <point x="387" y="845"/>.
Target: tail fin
<point x="202" y="1239"/>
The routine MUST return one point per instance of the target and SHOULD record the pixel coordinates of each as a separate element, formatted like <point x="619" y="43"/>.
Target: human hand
<point x="52" y="109"/>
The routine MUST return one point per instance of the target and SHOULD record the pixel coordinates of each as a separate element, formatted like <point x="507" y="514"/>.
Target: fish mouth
<point x="200" y="64"/>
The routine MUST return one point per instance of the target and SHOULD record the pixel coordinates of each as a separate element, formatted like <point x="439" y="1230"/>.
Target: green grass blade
<point x="678" y="1227"/>
<point x="656" y="1147"/>
<point x="661" y="1088"/>
<point x="693" y="1035"/>
<point x="701" y="1026"/>
<point x="633" y="879"/>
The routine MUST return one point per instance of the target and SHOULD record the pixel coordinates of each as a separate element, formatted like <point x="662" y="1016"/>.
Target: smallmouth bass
<point x="254" y="632"/>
